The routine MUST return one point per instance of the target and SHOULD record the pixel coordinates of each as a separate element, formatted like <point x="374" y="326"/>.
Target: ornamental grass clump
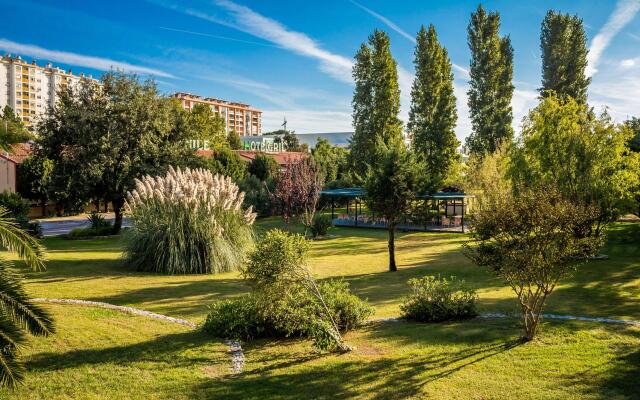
<point x="188" y="222"/>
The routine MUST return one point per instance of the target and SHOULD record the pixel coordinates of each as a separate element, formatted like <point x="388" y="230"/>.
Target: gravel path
<point x="547" y="316"/>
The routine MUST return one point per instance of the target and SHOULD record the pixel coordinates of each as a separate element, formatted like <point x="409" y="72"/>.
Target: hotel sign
<point x="266" y="144"/>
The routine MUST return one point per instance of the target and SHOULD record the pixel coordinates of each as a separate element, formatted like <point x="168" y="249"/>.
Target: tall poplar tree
<point x="376" y="102"/>
<point x="563" y="44"/>
<point x="432" y="117"/>
<point x="491" y="86"/>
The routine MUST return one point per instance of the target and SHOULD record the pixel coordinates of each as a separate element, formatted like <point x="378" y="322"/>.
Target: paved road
<point x="54" y="228"/>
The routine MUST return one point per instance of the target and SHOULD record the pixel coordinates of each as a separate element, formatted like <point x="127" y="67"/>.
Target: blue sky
<point x="293" y="58"/>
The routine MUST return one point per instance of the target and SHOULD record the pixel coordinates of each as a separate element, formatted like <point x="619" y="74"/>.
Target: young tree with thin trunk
<point x="530" y="241"/>
<point x="563" y="43"/>
<point x="391" y="185"/>
<point x="432" y="117"/>
<point x="491" y="86"/>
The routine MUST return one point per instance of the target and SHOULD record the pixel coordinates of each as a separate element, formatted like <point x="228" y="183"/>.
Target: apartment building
<point x="29" y="89"/>
<point x="242" y="118"/>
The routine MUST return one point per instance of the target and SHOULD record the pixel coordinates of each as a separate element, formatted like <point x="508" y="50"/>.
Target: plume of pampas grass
<point x="187" y="221"/>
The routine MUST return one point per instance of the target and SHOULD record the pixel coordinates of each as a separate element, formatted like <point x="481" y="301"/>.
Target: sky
<point x="293" y="59"/>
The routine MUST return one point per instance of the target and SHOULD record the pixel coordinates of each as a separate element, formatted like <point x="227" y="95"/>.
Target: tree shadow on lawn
<point x="177" y="350"/>
<point x="341" y="376"/>
<point x="615" y="379"/>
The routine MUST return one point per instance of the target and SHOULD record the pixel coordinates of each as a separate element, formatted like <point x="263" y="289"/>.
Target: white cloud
<point x="246" y="20"/>
<point x="624" y="12"/>
<point x="102" y="64"/>
<point x="630" y="62"/>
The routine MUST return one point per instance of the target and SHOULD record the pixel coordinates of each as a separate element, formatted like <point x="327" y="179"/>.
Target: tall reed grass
<point x="187" y="222"/>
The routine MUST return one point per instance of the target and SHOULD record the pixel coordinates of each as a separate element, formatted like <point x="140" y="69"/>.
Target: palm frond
<point x="11" y="337"/>
<point x="16" y="306"/>
<point x="16" y="240"/>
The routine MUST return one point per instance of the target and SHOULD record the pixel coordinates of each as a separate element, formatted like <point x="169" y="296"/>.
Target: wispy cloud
<point x="624" y="12"/>
<point x="386" y="21"/>
<point x="307" y="121"/>
<point x="102" y="64"/>
<point x="215" y="36"/>
<point x="402" y="32"/>
<point x="246" y="20"/>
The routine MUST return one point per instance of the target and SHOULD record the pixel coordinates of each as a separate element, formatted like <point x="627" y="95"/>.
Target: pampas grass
<point x="187" y="222"/>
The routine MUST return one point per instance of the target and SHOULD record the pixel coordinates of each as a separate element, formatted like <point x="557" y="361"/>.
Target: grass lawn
<point x="103" y="354"/>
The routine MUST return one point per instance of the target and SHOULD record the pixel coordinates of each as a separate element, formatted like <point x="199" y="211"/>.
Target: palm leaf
<point x="15" y="304"/>
<point x="16" y="240"/>
<point x="11" y="337"/>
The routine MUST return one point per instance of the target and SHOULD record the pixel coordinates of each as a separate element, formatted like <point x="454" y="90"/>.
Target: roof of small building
<point x="17" y="153"/>
<point x="360" y="192"/>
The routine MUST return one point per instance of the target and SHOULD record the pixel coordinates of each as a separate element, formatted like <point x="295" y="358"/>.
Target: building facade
<point x="242" y="118"/>
<point x="30" y="89"/>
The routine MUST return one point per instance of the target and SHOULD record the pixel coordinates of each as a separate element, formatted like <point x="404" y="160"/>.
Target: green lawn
<point x="103" y="354"/>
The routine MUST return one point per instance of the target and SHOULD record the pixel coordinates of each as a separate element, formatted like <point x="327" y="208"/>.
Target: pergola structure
<point x="440" y="211"/>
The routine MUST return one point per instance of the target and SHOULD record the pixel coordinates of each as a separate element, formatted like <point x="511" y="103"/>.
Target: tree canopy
<point x="376" y="102"/>
<point x="432" y="117"/>
<point x="563" y="44"/>
<point x="491" y="87"/>
<point x="102" y="137"/>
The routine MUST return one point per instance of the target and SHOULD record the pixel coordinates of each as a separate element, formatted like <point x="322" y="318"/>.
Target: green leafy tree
<point x="563" y="43"/>
<point x="12" y="130"/>
<point x="432" y="117"/>
<point x="376" y="102"/>
<point x="634" y="125"/>
<point x="34" y="179"/>
<point x="208" y="126"/>
<point x="227" y="162"/>
<point x="332" y="160"/>
<point x="18" y="314"/>
<point x="263" y="167"/>
<point x="491" y="87"/>
<point x="530" y="241"/>
<point x="585" y="157"/>
<point x="101" y="138"/>
<point x="234" y="140"/>
<point x="391" y="185"/>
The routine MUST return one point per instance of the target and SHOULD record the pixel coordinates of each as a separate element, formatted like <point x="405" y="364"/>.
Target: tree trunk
<point x="392" y="248"/>
<point x="96" y="204"/>
<point x="43" y="204"/>
<point x="117" y="210"/>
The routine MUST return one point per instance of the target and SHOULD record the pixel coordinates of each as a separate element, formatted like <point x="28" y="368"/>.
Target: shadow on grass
<point x="179" y="350"/>
<point x="331" y="377"/>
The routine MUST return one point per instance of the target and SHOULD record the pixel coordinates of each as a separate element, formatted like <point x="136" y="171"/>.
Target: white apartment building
<point x="30" y="89"/>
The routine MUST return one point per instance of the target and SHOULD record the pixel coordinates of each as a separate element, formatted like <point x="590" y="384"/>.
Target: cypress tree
<point x="563" y="44"/>
<point x="491" y="87"/>
<point x="362" y="144"/>
<point x="376" y="102"/>
<point x="432" y="117"/>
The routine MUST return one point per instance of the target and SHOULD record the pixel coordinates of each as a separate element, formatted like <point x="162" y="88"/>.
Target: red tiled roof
<point x="18" y="152"/>
<point x="281" y="158"/>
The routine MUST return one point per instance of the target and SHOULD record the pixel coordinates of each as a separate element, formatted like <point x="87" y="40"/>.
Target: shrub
<point x="321" y="225"/>
<point x="257" y="195"/>
<point x="247" y="318"/>
<point x="263" y="166"/>
<point x="347" y="309"/>
<point x="79" y="233"/>
<point x="98" y="221"/>
<point x="287" y="299"/>
<point x="436" y="299"/>
<point x="237" y="319"/>
<point x="15" y="204"/>
<point x="189" y="221"/>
